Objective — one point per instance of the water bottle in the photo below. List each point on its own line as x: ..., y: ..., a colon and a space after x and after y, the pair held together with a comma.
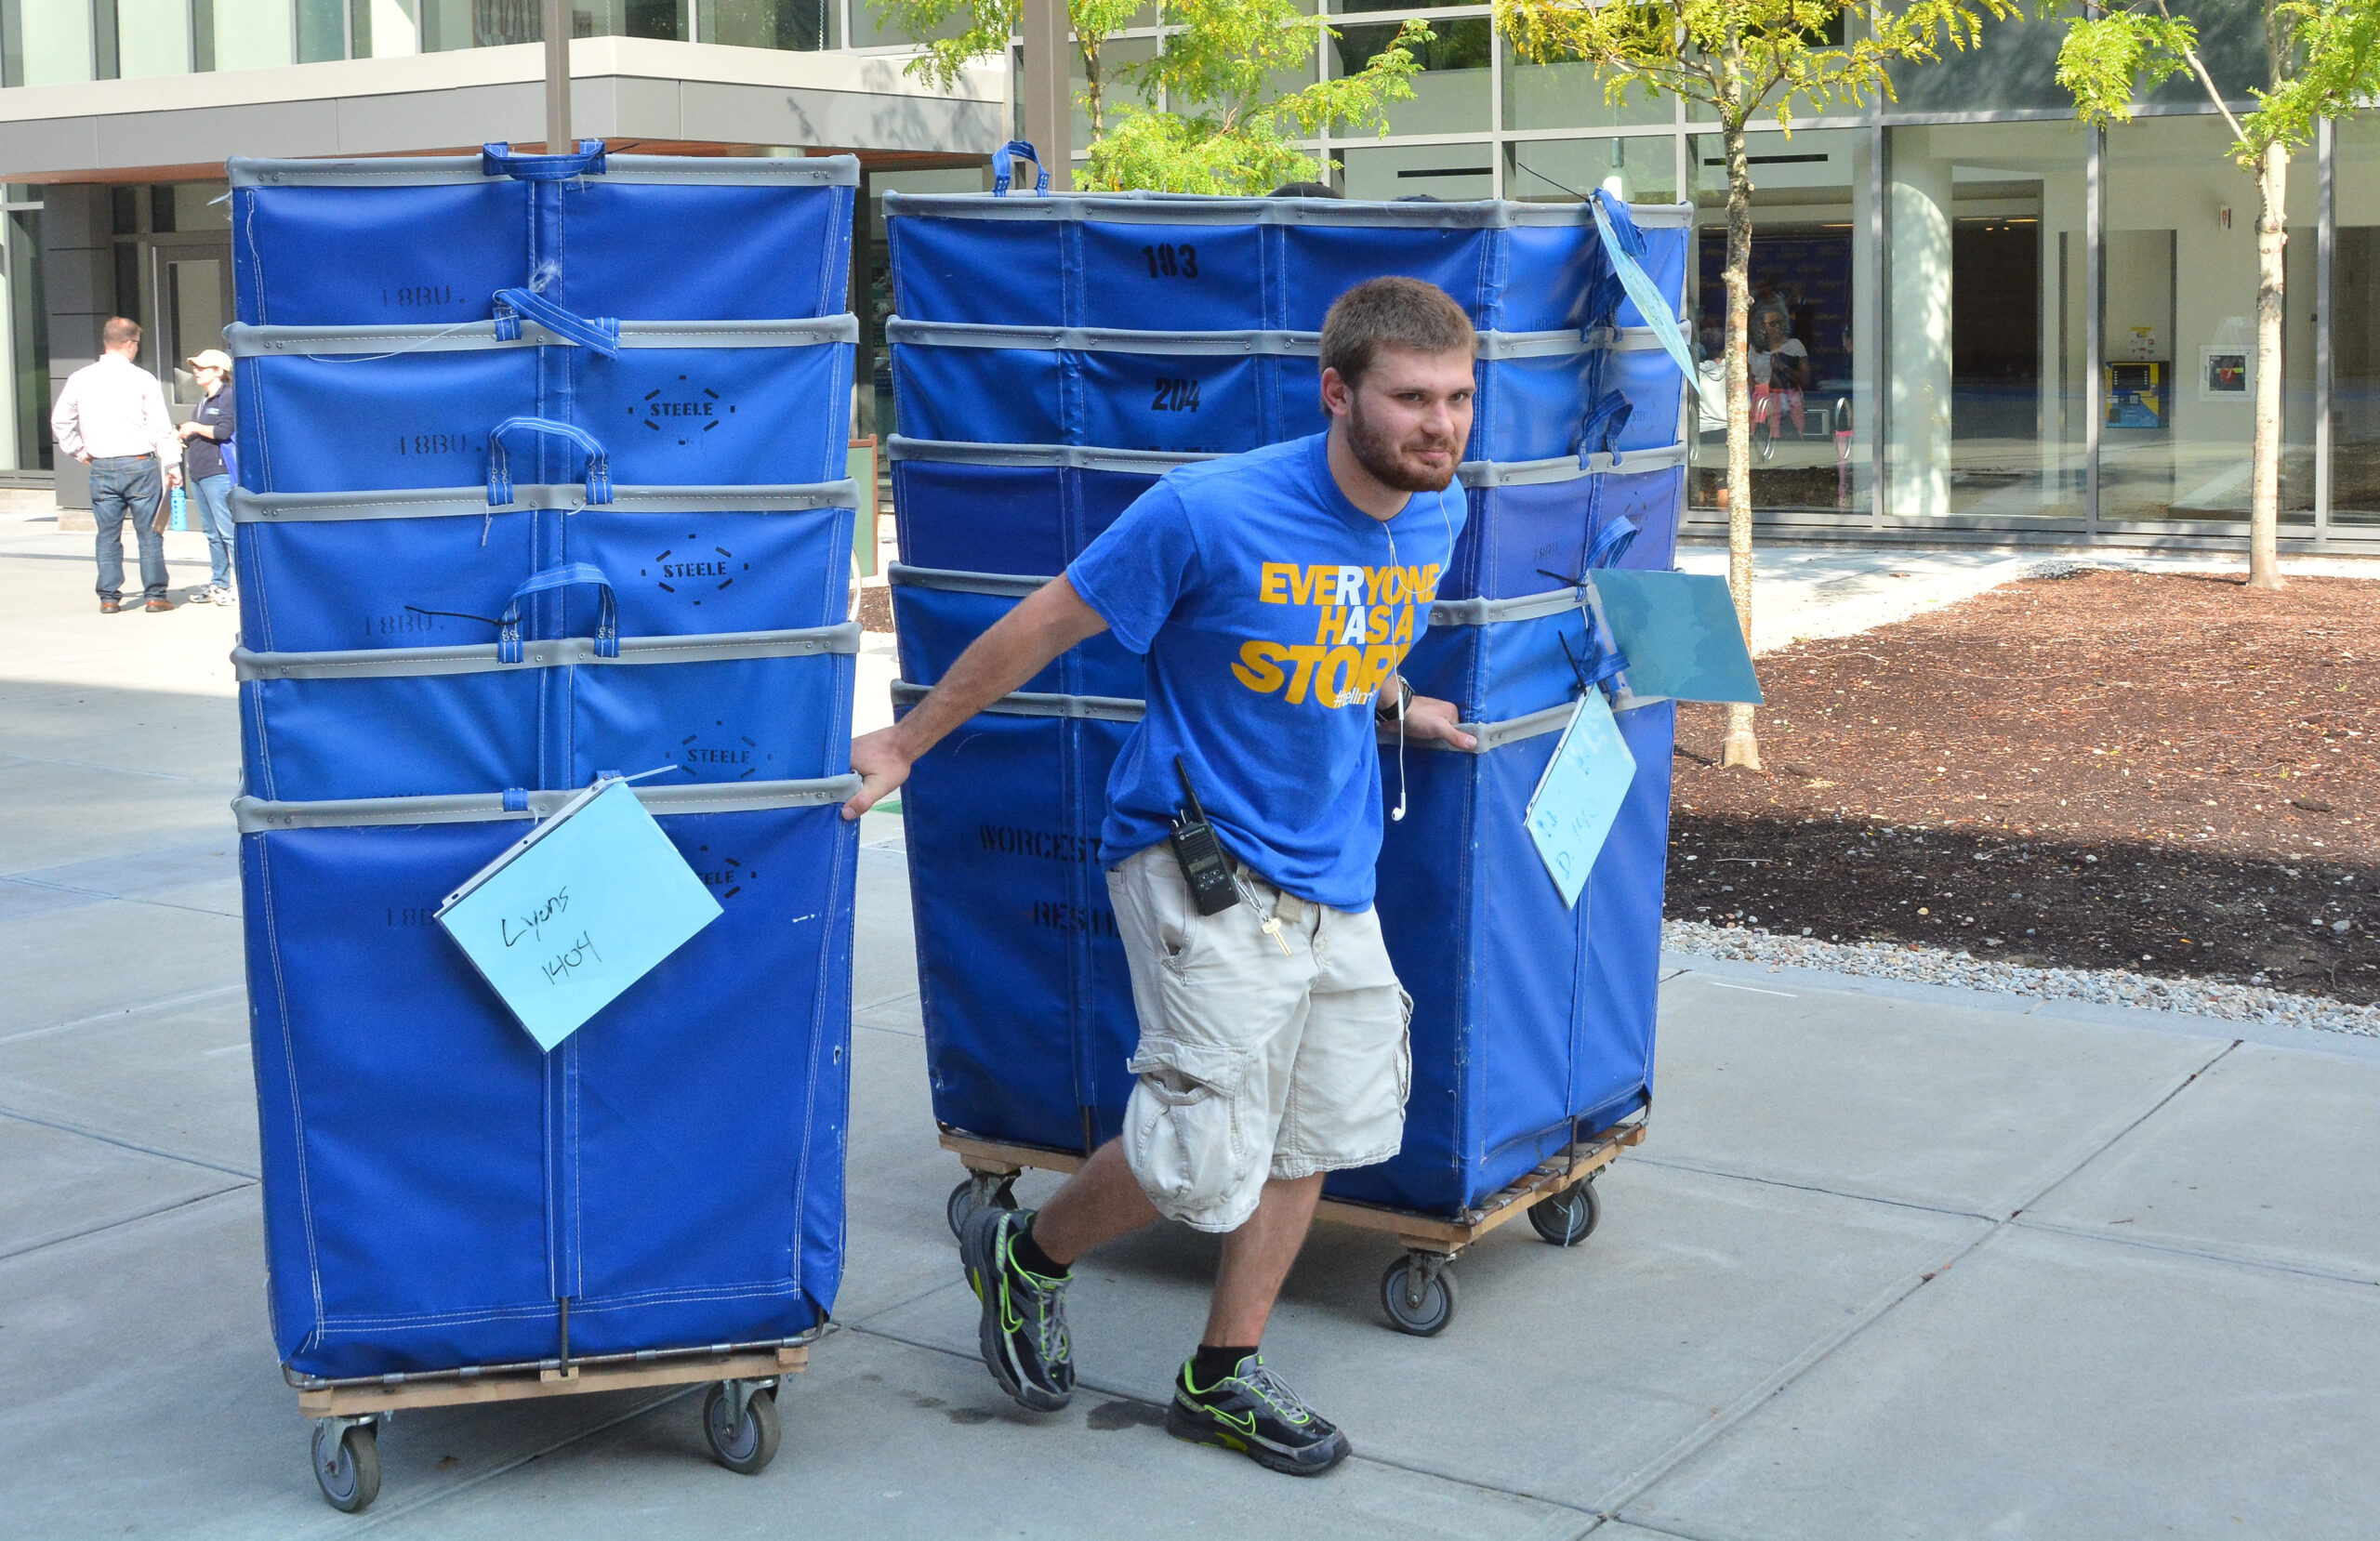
x: 181, y: 511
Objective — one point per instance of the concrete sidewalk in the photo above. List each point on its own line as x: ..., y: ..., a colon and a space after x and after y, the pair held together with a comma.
x: 1893, y: 1263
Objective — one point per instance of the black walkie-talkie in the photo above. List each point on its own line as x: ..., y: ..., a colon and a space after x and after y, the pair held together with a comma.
x: 1204, y: 865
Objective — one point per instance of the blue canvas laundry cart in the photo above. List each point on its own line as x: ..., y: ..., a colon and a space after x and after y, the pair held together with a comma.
x: 522, y: 507
x: 1132, y: 334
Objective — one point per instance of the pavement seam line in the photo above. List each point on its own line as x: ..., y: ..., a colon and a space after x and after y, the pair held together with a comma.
x: 118, y: 1224
x: 2182, y: 1249
x: 193, y: 998
x: 1638, y: 1482
x: 1672, y: 1163
x: 1145, y: 1401
x: 122, y: 1143
x: 116, y: 770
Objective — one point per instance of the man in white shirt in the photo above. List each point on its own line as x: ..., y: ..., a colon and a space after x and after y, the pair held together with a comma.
x: 111, y: 416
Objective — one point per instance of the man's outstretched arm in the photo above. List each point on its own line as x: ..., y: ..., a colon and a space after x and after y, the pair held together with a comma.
x: 1052, y: 619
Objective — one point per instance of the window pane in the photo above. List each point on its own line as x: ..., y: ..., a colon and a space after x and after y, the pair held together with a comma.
x: 49, y: 43
x: 252, y: 35
x: 322, y: 29
x: 1569, y: 96
x: 1114, y: 55
x: 1449, y: 172
x: 663, y: 19
x: 29, y: 315
x: 2180, y: 333
x: 202, y: 206
x: 1988, y: 307
x: 1810, y: 448
x: 2354, y: 323
x: 386, y: 29
x: 806, y: 25
x: 2013, y: 66
x: 152, y: 38
x: 1450, y: 96
x: 1642, y: 169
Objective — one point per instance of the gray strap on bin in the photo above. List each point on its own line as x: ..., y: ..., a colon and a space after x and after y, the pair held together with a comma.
x: 1174, y: 208
x: 555, y: 652
x: 1488, y: 612
x: 1109, y: 339
x: 1096, y: 708
x: 250, y: 342
x: 249, y: 507
x: 461, y: 170
x: 257, y: 815
x: 950, y: 581
x: 1470, y: 473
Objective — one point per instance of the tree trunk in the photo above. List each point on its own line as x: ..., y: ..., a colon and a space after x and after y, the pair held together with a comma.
x: 1742, y: 745
x: 2264, y: 499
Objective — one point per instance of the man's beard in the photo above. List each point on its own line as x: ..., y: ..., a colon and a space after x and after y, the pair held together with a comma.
x: 1376, y: 451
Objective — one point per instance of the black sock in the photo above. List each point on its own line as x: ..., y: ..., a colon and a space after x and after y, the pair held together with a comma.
x: 1029, y: 1255
x: 1212, y: 1364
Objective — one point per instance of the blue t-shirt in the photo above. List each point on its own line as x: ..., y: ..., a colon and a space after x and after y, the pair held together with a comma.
x: 1270, y: 608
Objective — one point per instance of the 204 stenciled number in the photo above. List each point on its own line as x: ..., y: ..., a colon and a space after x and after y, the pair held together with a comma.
x: 1175, y: 396
x: 1167, y: 260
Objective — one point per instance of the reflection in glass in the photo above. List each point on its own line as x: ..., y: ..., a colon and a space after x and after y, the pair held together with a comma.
x: 1569, y: 96
x: 1809, y: 452
x: 29, y: 337
x: 1451, y: 95
x: 2180, y: 329
x: 1987, y: 305
x: 2355, y: 323
x: 1450, y: 172
x: 1641, y: 169
x: 195, y: 318
x: 801, y: 25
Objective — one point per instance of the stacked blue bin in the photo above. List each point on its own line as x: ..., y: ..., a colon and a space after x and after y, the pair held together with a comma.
x: 1127, y: 334
x: 542, y: 478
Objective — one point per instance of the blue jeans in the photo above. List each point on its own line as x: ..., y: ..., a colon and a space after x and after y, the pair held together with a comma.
x: 211, y: 501
x: 125, y: 487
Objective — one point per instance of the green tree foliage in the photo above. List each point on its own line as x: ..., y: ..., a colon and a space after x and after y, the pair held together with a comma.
x: 1207, y: 114
x: 1740, y: 60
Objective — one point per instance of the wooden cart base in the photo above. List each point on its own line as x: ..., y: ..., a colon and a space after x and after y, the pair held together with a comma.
x: 740, y: 1420
x: 1417, y: 1292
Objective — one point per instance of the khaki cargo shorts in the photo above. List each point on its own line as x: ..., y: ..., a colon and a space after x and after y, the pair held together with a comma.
x: 1253, y: 1064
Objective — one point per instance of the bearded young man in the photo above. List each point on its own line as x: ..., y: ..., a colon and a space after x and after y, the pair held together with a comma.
x: 1273, y: 595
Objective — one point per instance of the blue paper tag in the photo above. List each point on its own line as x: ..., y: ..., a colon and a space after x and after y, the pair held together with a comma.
x: 1657, y: 311
x: 1579, y: 794
x: 590, y: 905
x: 1679, y: 633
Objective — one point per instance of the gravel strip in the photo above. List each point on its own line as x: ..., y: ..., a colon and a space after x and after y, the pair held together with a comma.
x: 1920, y: 965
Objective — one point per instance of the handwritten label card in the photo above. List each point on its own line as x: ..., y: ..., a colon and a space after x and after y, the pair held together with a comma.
x: 583, y: 909
x: 1579, y: 794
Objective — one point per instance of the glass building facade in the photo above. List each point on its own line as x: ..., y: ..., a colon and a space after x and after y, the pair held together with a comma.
x: 1979, y: 316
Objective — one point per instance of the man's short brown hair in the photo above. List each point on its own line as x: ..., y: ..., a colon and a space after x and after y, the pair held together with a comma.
x: 1391, y: 313
x: 119, y: 330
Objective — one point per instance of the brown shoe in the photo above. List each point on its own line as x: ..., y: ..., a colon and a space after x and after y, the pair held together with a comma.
x: 109, y: 606
x: 159, y: 607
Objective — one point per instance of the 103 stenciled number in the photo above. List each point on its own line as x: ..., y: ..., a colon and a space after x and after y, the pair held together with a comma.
x: 1167, y: 260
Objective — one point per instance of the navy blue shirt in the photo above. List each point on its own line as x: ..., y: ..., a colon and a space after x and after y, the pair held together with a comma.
x: 1270, y: 610
x: 203, y: 458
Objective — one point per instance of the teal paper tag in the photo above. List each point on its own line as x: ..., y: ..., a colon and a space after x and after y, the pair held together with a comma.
x: 589, y: 903
x: 1679, y: 633
x: 1579, y: 794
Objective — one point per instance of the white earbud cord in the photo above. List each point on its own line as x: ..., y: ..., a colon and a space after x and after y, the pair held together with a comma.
x: 1396, y: 814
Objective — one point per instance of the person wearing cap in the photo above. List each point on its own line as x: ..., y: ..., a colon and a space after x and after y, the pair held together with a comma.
x: 202, y: 440
x: 111, y: 416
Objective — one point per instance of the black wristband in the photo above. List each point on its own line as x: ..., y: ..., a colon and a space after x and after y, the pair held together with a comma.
x: 1389, y: 710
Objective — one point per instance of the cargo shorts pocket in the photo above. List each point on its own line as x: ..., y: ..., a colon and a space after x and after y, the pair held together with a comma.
x: 1188, y: 1125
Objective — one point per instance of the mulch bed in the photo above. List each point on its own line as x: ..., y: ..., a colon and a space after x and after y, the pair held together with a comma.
x: 2172, y: 775
x: 874, y: 611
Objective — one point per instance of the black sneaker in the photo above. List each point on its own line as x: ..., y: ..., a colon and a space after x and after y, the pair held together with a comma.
x: 1250, y: 1410
x: 1023, y: 1327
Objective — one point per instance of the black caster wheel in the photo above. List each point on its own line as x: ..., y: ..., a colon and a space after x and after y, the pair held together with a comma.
x: 1419, y: 1298
x: 347, y: 1464
x: 1569, y: 1217
x: 751, y: 1444
x: 964, y: 1198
